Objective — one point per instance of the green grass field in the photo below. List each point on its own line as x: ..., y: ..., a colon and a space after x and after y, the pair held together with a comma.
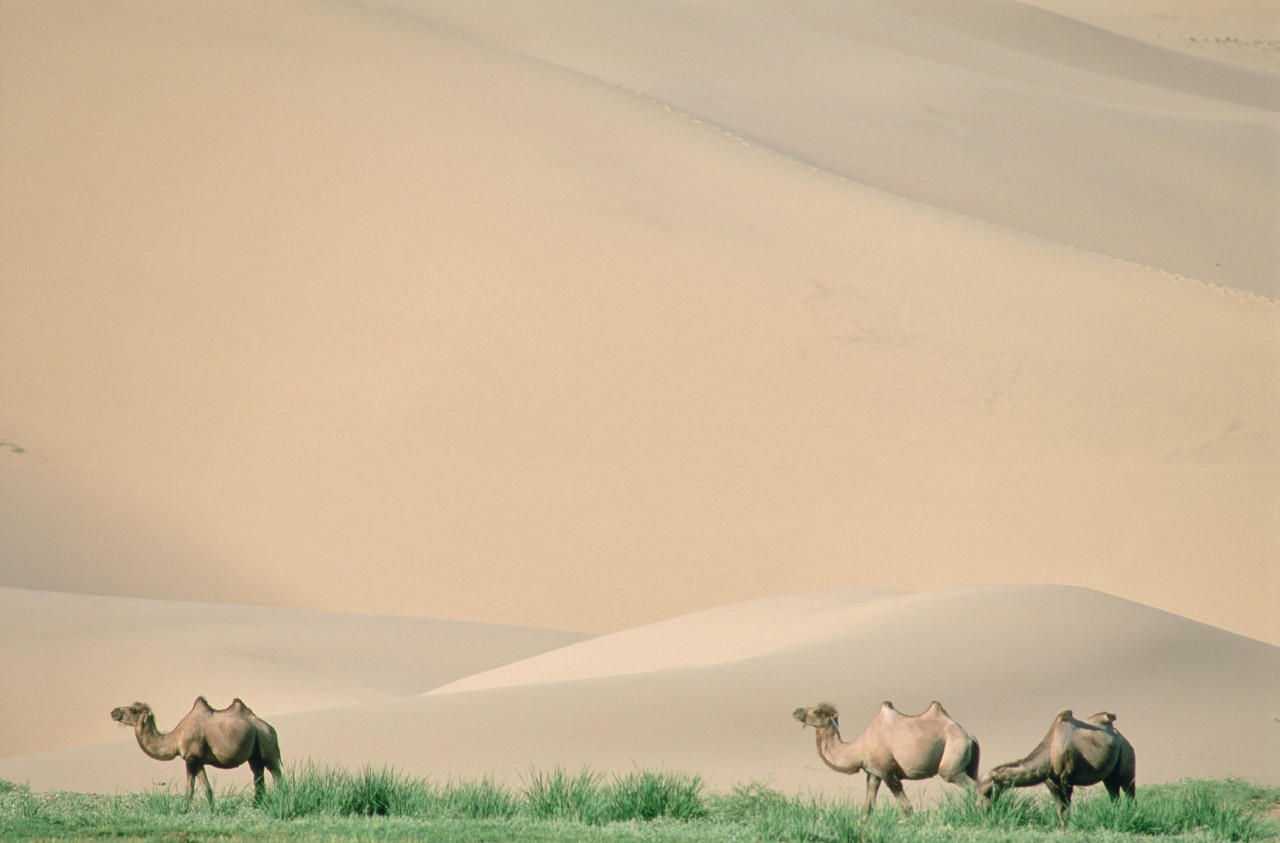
x: 381, y: 804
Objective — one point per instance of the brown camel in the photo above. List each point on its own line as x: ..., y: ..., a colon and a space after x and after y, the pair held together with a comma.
x: 224, y: 739
x: 1075, y: 753
x: 897, y: 746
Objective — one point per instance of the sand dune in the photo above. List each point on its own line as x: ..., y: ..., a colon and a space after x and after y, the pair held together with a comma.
x: 1001, y: 111
x: 750, y: 629
x: 299, y: 291
x: 987, y: 653
x: 1234, y: 31
x: 76, y: 657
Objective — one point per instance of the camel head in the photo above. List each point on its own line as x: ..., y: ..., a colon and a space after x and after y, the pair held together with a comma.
x: 132, y: 715
x: 988, y: 789
x: 821, y: 716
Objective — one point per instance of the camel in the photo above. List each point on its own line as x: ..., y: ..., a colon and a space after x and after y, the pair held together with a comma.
x: 895, y: 747
x: 223, y: 738
x: 1075, y: 753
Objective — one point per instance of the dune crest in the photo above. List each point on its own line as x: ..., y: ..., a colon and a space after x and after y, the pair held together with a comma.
x: 722, y: 634
x: 1009, y: 113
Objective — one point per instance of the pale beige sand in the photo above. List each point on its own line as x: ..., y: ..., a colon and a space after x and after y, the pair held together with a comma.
x: 1244, y: 32
x: 1000, y: 111
x: 73, y: 658
x: 310, y: 305
x: 1195, y: 701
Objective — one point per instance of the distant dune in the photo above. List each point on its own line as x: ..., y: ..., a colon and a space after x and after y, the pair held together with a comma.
x: 1003, y: 660
x: 81, y: 656
x: 1004, y: 112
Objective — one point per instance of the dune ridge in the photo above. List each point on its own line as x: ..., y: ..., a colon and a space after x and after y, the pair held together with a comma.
x: 1003, y: 111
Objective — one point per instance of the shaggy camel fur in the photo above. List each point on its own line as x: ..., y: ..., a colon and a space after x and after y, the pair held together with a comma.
x: 897, y: 746
x: 1075, y: 753
x: 224, y: 739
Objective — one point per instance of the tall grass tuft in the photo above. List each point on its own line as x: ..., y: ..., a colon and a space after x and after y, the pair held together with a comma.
x: 646, y: 796
x: 369, y: 792
x: 746, y: 802
x: 386, y: 793
x: 1011, y: 810
x: 557, y: 795
x: 484, y: 799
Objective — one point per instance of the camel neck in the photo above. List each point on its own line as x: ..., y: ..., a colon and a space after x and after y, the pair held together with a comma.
x: 1031, y: 770
x: 159, y: 745
x: 838, y: 754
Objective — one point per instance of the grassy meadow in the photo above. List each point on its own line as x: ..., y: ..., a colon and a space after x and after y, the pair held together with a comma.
x: 324, y: 803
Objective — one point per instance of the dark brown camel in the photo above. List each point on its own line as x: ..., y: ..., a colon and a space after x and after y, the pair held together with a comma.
x: 1075, y: 753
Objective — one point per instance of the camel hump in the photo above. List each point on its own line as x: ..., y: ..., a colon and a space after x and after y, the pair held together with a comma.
x: 887, y: 713
x: 201, y: 702
x: 1103, y: 718
x: 1065, y: 715
x: 238, y: 704
x: 935, y: 707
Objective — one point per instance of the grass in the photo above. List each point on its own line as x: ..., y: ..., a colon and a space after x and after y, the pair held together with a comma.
x: 327, y: 803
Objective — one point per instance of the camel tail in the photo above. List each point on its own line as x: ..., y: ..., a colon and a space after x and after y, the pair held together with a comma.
x: 974, y: 756
x: 266, y: 746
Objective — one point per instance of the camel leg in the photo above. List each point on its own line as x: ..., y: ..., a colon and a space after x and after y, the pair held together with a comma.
x: 259, y: 784
x: 208, y: 788
x: 195, y: 770
x: 873, y: 787
x: 1116, y: 785
x: 895, y: 787
x: 1061, y: 791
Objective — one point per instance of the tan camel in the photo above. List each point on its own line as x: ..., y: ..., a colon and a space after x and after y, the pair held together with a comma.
x: 897, y: 746
x: 1075, y: 753
x: 224, y: 739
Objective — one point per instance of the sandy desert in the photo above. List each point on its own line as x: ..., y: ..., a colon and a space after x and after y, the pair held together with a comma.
x: 475, y: 387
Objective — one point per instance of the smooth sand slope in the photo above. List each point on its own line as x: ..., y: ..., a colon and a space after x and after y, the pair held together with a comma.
x: 319, y: 306
x: 1243, y: 32
x: 74, y: 657
x: 1001, y: 111
x: 1194, y: 700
